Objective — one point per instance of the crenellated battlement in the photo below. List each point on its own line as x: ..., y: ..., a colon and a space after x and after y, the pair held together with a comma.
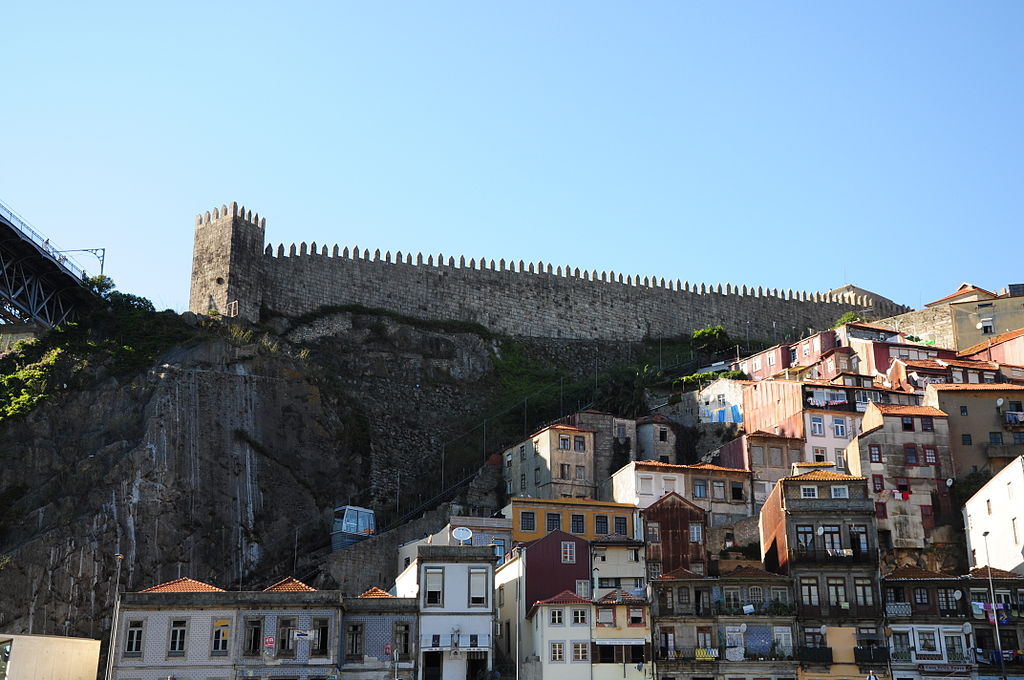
x: 541, y: 268
x: 513, y: 297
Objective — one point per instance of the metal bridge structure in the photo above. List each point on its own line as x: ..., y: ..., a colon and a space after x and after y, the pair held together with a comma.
x: 38, y: 284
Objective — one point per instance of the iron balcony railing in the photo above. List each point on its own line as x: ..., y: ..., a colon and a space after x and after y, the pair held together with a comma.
x: 872, y: 655
x: 814, y: 654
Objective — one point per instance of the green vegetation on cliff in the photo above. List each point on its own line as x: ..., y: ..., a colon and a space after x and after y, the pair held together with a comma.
x: 120, y: 335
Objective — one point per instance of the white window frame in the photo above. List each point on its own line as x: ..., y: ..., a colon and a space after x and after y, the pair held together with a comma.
x: 840, y: 491
x: 808, y: 491
x: 568, y: 552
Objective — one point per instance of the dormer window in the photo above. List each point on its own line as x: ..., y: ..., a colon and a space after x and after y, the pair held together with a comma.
x: 808, y: 492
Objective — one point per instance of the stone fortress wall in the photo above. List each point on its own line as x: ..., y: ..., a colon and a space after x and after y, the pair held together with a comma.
x: 231, y: 264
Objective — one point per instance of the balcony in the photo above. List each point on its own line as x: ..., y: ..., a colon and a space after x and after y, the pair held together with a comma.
x: 871, y: 655
x: 840, y: 556
x: 707, y: 654
x: 898, y: 609
x: 814, y: 654
x: 843, y: 611
x: 902, y: 656
x: 770, y: 608
x: 1013, y: 420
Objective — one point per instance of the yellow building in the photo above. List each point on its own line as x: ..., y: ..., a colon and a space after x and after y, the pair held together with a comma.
x: 621, y: 636
x: 533, y: 518
x: 840, y: 658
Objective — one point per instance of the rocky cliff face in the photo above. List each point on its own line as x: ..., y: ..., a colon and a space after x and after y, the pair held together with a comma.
x: 225, y: 460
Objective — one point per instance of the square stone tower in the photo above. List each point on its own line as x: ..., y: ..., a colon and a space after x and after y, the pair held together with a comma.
x: 227, y: 263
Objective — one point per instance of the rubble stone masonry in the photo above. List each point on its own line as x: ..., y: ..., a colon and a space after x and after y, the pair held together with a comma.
x: 231, y: 264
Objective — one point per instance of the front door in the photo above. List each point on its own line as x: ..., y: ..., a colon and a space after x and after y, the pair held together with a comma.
x: 432, y: 665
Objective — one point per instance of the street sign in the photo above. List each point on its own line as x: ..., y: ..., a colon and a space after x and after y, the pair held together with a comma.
x: 269, y: 641
x: 303, y: 634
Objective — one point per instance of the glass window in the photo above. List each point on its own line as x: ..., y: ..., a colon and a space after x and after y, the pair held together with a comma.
x: 286, y: 636
x: 478, y: 587
x: 434, y: 587
x: 926, y: 641
x: 581, y: 473
x: 581, y: 651
x: 577, y: 524
x: 558, y: 650
x: 564, y: 442
x: 556, y: 617
x: 927, y: 424
x: 606, y: 615
x: 910, y: 454
x: 908, y: 423
x: 354, y: 642
x: 840, y: 491
x: 965, y: 439
x: 836, y: 590
x: 696, y: 533
x: 809, y: 590
x: 653, y: 532
x: 221, y: 637
x: 863, y: 591
x: 620, y: 526
x: 839, y: 427
x: 322, y: 637
x: 568, y: 552
x: 963, y: 410
x: 636, y: 616
x: 579, y: 443
x: 253, y: 637
x: 176, y: 645
x: 877, y: 482
x: 930, y: 457
x: 995, y: 438
x: 808, y: 492
x: 718, y: 489
x: 133, y: 641
x: 817, y: 426
x: 583, y: 588
x: 579, y: 616
x: 528, y: 521
x: 875, y: 452
x: 700, y: 488
x: 920, y: 595
x: 565, y: 471
x: 601, y: 524
x: 401, y: 638
x: 554, y: 521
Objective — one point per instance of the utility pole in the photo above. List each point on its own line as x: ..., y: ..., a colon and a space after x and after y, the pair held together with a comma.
x: 113, y: 622
x: 995, y: 612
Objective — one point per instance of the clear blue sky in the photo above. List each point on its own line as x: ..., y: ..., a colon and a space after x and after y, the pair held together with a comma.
x: 783, y: 144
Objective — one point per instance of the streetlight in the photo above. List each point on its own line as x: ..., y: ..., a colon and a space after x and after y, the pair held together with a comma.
x: 113, y: 622
x: 995, y: 613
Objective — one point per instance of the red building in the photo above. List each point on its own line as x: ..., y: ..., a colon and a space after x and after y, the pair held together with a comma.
x: 681, y: 536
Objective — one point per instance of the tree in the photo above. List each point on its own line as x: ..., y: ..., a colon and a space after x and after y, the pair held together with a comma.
x: 848, y: 317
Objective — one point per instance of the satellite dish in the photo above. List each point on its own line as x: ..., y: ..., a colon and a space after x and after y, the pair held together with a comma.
x: 999, y: 401
x: 957, y: 595
x: 462, y: 534
x: 743, y: 628
x: 949, y: 483
x: 966, y: 628
x: 820, y: 531
x: 978, y: 326
x: 824, y: 629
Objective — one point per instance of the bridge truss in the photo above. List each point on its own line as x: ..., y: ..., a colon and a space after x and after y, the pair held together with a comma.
x: 37, y: 283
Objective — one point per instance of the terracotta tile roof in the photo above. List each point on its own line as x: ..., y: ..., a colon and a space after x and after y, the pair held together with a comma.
x: 680, y: 574
x: 994, y: 340
x: 964, y: 289
x: 816, y: 466
x: 525, y: 501
x: 564, y: 597
x: 616, y: 539
x: 750, y: 572
x: 824, y: 476
x: 288, y: 585
x: 982, y: 572
x: 874, y: 326
x: 559, y: 426
x: 657, y: 418
x: 376, y: 592
x: 621, y: 597
x: 910, y: 572
x: 184, y: 585
x: 902, y: 410
x: 715, y: 468
x: 977, y: 387
x: 945, y: 364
